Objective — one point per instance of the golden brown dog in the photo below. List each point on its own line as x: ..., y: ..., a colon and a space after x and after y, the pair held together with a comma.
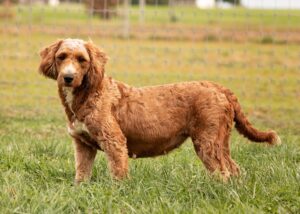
x: 124, y: 121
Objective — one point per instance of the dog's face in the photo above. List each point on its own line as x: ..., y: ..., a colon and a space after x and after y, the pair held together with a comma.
x: 70, y: 61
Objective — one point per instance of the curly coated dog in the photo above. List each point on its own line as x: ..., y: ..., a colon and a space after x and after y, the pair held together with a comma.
x: 124, y: 121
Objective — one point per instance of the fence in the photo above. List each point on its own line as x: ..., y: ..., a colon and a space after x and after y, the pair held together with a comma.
x: 253, y: 52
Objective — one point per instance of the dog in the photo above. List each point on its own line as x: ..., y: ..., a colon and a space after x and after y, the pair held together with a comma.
x: 124, y: 121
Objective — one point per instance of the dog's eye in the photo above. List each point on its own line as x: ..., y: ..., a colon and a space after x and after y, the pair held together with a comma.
x: 62, y: 57
x: 81, y: 59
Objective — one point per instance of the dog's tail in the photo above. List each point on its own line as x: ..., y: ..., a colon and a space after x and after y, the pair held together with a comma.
x: 244, y: 127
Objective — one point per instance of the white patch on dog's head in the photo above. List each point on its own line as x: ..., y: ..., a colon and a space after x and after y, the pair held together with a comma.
x: 74, y: 43
x: 69, y: 69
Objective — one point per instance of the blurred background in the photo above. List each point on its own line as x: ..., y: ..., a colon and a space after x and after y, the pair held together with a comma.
x: 250, y: 46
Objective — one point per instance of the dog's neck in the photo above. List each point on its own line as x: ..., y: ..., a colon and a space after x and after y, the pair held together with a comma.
x: 74, y: 100
x: 68, y: 97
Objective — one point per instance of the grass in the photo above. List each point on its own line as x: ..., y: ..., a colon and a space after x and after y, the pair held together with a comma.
x: 180, y: 23
x: 36, y: 154
x: 37, y: 174
x: 76, y: 13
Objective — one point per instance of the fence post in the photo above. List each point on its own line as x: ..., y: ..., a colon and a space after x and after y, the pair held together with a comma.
x: 171, y: 11
x: 126, y: 19
x: 142, y: 11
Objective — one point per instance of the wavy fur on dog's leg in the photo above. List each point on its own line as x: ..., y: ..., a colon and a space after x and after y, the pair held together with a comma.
x: 211, y: 136
x: 84, y: 159
x: 112, y: 141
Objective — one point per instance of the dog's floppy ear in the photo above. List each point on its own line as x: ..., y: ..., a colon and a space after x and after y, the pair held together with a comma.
x: 47, y: 65
x: 98, y: 60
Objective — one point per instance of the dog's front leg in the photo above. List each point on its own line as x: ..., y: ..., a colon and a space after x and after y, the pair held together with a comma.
x: 112, y: 141
x: 117, y: 155
x: 84, y: 159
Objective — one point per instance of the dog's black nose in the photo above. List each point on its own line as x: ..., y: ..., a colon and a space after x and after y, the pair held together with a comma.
x: 68, y: 78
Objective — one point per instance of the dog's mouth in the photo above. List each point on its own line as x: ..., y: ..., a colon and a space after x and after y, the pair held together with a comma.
x: 68, y: 84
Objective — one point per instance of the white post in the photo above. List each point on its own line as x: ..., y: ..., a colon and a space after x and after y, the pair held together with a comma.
x: 126, y: 19
x: 142, y: 11
x: 171, y: 10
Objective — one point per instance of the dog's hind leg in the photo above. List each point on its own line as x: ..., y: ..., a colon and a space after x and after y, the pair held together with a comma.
x: 230, y: 163
x: 211, y: 133
x: 210, y: 151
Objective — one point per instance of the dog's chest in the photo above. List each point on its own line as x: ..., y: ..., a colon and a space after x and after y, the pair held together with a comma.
x: 77, y: 127
x: 68, y: 92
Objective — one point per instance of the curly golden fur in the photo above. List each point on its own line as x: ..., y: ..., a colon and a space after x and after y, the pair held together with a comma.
x: 124, y: 121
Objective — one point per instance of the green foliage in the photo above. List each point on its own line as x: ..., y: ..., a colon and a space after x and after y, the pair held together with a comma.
x: 9, y: 1
x: 267, y: 40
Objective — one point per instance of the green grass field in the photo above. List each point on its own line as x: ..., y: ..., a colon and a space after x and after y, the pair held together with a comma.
x: 76, y: 13
x: 36, y: 153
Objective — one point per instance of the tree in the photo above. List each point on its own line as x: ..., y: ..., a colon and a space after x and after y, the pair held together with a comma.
x: 235, y: 2
x: 6, y: 12
x: 103, y: 8
x: 152, y: 2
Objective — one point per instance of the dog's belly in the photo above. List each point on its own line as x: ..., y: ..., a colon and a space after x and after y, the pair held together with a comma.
x: 138, y: 148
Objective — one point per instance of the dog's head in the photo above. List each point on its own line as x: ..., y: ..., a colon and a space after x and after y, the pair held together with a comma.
x: 73, y: 62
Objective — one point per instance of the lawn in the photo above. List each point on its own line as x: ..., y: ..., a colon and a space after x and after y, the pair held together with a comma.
x: 36, y: 154
x: 178, y: 23
x: 77, y: 13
